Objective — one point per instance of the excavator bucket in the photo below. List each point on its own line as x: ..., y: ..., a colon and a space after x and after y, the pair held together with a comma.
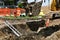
x: 36, y: 8
x: 33, y: 7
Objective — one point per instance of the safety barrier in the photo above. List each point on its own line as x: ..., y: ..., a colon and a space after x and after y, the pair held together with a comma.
x: 8, y: 11
x: 4, y: 11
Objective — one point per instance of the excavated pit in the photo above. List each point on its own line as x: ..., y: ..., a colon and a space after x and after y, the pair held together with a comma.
x: 36, y: 24
x: 7, y: 34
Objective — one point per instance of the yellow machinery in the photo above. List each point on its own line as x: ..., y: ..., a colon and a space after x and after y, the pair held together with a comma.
x: 55, y: 5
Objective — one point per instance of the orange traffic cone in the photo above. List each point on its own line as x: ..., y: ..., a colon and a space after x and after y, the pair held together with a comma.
x: 47, y: 23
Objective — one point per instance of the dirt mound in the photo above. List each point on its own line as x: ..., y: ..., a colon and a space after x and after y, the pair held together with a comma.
x: 54, y: 36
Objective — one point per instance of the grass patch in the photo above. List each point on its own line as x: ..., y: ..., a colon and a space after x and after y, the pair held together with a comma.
x: 26, y: 17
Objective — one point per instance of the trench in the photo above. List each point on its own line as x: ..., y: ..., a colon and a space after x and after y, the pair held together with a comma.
x: 49, y: 30
x: 7, y: 34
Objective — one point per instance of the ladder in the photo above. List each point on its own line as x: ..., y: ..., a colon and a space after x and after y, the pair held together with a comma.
x: 15, y: 31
